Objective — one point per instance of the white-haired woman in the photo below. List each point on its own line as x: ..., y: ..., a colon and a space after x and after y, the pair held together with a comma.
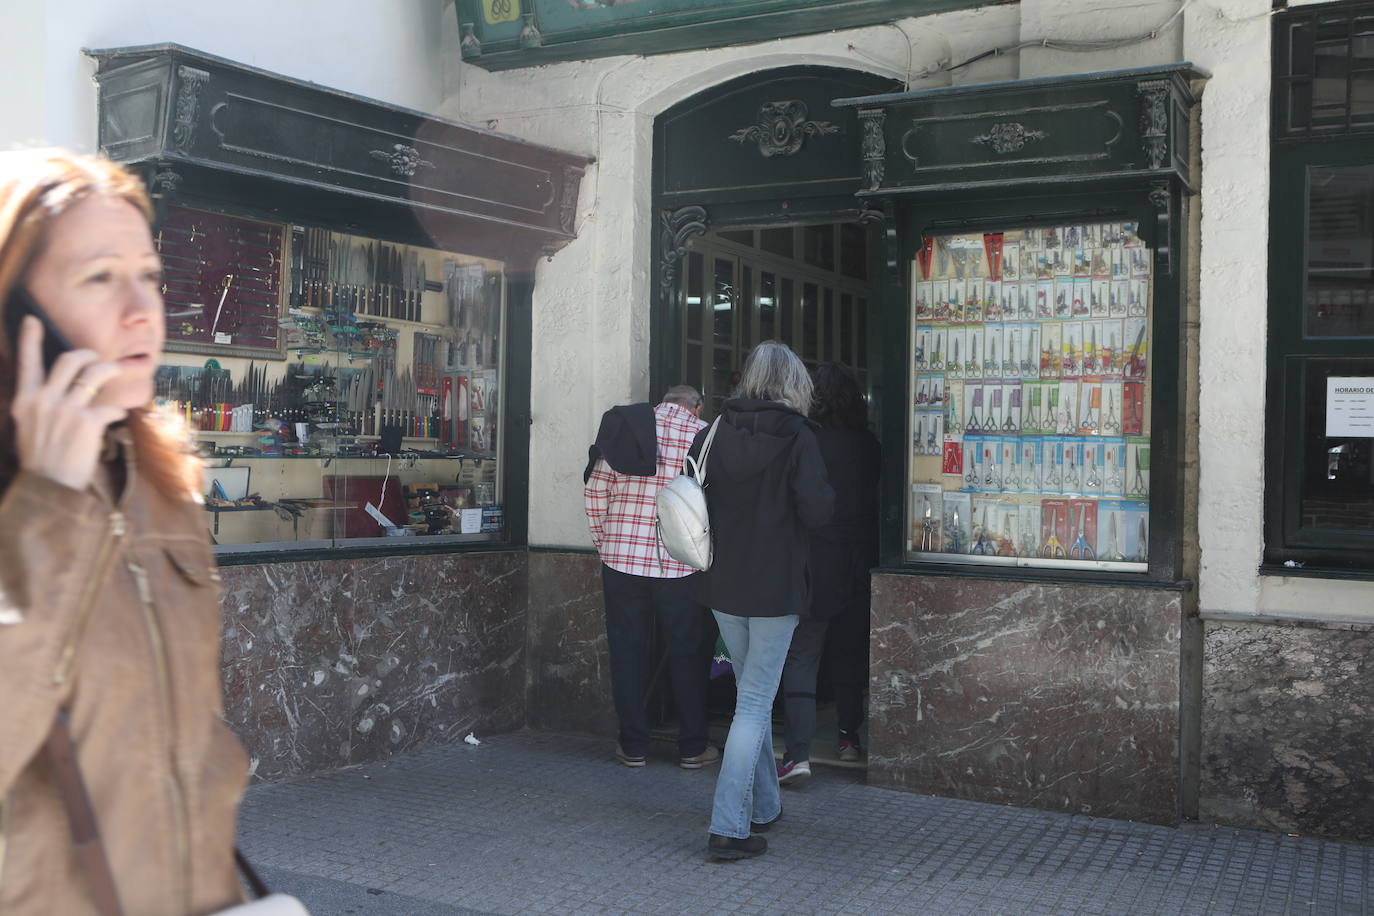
x: 766, y: 490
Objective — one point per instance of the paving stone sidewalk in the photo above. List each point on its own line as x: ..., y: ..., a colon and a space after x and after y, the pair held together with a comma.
x: 540, y: 823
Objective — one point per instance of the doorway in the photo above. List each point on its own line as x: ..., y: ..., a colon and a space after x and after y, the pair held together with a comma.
x: 761, y: 235
x: 805, y: 285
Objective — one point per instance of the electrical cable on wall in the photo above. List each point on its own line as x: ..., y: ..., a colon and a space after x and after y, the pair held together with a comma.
x: 1055, y: 44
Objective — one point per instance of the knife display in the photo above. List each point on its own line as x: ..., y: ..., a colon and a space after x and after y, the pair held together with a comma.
x: 221, y: 284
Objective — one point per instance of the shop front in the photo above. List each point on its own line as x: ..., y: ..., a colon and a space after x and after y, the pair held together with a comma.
x: 348, y: 308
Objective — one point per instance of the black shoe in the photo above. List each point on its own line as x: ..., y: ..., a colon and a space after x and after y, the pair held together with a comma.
x: 756, y: 827
x: 724, y: 848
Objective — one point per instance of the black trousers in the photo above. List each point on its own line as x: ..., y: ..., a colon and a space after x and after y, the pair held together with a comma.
x: 632, y: 603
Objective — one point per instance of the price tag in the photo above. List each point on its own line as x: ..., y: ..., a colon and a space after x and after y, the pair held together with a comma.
x: 377, y: 514
x: 223, y: 338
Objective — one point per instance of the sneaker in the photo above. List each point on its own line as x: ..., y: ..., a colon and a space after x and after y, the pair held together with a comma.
x: 725, y: 848
x: 790, y: 771
x: 629, y: 760
x: 849, y: 749
x: 704, y: 759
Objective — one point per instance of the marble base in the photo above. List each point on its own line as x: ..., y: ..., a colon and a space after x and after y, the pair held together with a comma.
x: 1063, y: 697
x: 339, y: 662
x: 570, y: 681
x: 1287, y: 716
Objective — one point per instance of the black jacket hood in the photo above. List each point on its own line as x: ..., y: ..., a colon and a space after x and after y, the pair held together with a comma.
x: 628, y: 440
x: 752, y: 435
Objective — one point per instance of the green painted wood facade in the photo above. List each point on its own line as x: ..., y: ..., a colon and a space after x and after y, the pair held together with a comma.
x: 502, y: 34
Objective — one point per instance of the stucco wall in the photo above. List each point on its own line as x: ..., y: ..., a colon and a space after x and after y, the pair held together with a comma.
x: 388, y: 51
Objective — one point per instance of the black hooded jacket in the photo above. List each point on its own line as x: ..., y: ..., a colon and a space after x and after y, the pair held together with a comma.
x: 766, y: 489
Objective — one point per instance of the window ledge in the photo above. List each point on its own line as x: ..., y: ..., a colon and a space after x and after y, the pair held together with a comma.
x: 1316, y: 572
x: 1284, y: 620
x: 313, y: 555
x: 1043, y: 576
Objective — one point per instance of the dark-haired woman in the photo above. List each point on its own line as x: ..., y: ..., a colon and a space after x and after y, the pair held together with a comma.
x: 109, y: 607
x: 842, y: 554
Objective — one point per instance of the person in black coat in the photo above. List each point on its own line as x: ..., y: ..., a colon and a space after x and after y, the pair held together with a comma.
x: 766, y: 491
x: 842, y: 554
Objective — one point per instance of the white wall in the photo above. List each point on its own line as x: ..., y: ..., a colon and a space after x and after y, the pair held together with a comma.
x: 386, y: 49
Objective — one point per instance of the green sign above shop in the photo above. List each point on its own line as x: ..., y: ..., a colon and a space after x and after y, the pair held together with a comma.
x: 501, y: 34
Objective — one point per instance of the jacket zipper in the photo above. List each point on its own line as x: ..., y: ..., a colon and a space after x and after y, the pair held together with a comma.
x: 67, y: 658
x: 145, y: 597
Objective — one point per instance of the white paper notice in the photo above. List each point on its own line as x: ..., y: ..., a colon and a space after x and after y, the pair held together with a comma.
x: 471, y: 522
x: 1350, y: 407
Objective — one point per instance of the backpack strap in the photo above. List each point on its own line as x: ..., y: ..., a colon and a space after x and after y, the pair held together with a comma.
x: 696, y: 467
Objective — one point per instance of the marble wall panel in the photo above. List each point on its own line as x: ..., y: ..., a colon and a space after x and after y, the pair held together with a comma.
x: 338, y: 662
x: 1288, y: 712
x: 1042, y: 695
x: 570, y: 683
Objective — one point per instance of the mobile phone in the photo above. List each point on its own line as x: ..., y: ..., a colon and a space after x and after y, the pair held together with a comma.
x: 21, y: 303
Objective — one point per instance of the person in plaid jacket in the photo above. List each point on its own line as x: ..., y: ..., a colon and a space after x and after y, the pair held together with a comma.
x: 629, y: 464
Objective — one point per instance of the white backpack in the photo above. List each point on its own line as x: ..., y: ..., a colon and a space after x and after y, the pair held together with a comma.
x: 684, y: 527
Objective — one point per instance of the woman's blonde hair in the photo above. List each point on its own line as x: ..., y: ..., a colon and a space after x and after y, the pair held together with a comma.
x: 772, y: 372
x: 37, y: 186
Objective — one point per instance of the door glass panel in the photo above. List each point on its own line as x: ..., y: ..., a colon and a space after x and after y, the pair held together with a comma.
x: 785, y: 309
x: 692, y: 368
x: 828, y: 323
x: 722, y: 367
x: 746, y: 306
x: 809, y: 307
x: 694, y: 295
x: 777, y: 241
x: 739, y: 236
x: 723, y: 301
x: 846, y: 328
x: 768, y: 305
x: 818, y: 246
x: 1339, y: 299
x: 854, y: 251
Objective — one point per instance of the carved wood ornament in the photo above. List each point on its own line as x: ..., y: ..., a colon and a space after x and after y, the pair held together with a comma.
x: 782, y: 128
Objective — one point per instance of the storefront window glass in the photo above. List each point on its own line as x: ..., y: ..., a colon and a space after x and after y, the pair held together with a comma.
x: 1030, y: 416
x: 341, y: 389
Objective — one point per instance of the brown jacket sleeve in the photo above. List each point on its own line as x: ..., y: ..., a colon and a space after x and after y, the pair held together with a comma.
x: 51, y: 538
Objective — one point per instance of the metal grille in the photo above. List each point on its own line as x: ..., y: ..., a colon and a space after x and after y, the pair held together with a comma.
x: 1324, y: 71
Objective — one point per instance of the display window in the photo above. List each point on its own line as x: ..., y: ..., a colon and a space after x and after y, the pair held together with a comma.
x: 341, y: 389
x: 1030, y: 412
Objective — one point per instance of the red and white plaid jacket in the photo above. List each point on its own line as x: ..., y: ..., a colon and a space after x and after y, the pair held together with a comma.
x: 620, y: 508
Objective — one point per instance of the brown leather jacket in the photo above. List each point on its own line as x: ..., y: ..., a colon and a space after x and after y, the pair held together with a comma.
x: 113, y: 611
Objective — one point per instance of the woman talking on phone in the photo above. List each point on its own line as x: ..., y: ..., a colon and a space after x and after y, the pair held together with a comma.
x: 109, y: 610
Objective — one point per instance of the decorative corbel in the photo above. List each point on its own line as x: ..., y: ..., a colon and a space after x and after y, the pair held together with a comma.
x: 871, y: 215
x: 1163, y: 200
x: 874, y: 147
x: 1154, y: 121
x: 679, y: 227
x: 530, y: 36
x: 567, y: 199
x: 190, y: 81
x: 470, y: 47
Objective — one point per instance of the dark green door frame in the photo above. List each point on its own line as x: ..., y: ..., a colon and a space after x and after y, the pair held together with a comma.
x: 744, y: 154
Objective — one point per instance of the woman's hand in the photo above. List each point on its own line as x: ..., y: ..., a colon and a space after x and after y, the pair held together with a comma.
x: 59, y: 432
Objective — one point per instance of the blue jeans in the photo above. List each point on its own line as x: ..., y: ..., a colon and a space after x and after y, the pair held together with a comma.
x: 747, y: 789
